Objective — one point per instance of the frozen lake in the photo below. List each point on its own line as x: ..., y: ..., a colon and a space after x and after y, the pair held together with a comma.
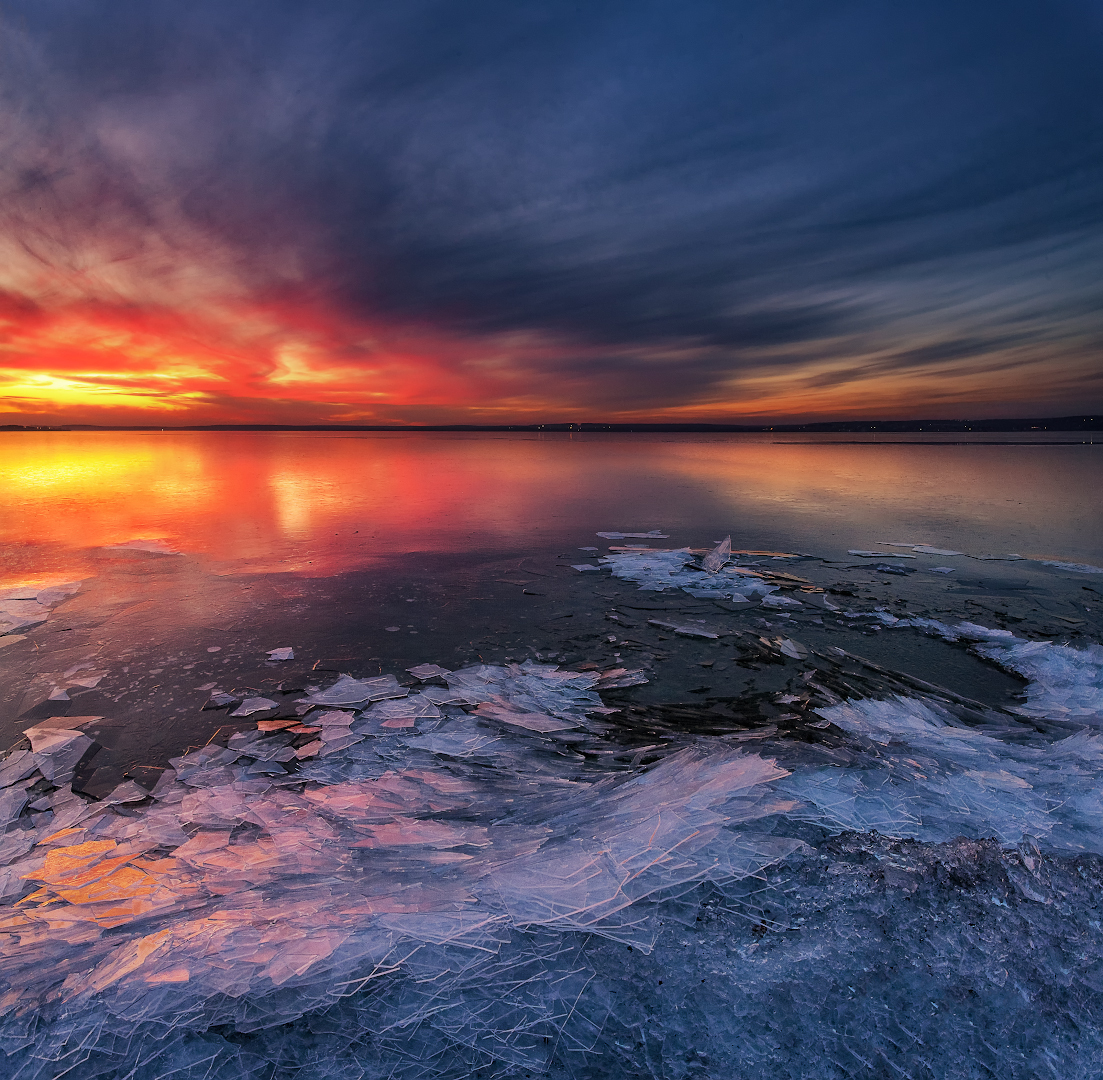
x: 364, y: 755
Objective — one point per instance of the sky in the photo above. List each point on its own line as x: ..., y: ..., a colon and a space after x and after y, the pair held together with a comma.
x: 327, y: 212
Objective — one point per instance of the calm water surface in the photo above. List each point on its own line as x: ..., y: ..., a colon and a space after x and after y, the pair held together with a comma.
x: 321, y: 503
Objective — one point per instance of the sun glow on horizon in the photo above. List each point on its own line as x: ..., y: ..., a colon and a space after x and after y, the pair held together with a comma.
x: 296, y: 362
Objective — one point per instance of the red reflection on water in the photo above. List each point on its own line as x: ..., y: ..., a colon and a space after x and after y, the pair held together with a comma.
x: 320, y: 503
x: 271, y: 501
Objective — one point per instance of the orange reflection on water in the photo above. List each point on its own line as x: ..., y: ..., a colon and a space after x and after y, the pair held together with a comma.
x: 321, y: 503
x: 273, y: 501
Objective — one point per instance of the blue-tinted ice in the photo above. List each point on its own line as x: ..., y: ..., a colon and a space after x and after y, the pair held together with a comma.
x: 439, y: 886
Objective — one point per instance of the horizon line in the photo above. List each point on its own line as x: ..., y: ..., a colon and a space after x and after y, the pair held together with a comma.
x: 1022, y: 424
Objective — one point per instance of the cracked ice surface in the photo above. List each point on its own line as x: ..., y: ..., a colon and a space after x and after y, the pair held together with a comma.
x: 450, y: 860
x: 456, y: 893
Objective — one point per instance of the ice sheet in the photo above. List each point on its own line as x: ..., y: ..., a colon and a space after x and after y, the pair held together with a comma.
x: 916, y: 771
x: 229, y: 900
x: 659, y: 569
x: 23, y: 607
x: 447, y: 899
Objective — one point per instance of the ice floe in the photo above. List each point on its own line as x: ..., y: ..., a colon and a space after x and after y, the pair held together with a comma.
x: 659, y: 569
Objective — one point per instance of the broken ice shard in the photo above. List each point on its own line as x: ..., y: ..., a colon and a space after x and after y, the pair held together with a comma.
x: 658, y: 570
x: 57, y: 750
x: 281, y: 654
x: 533, y: 721
x: 773, y: 601
x: 718, y: 557
x: 414, y: 707
x: 793, y: 648
x: 684, y: 630
x: 254, y: 705
x: 427, y: 671
x: 349, y: 691
x: 219, y: 700
x: 332, y: 718
x: 618, y: 678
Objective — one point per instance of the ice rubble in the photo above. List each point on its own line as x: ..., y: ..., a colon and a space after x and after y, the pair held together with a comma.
x: 252, y: 889
x: 662, y: 568
x: 913, y: 770
x: 426, y: 870
x: 923, y: 774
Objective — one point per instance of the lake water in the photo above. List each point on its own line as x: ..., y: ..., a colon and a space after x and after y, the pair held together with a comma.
x: 835, y: 810
x: 322, y: 503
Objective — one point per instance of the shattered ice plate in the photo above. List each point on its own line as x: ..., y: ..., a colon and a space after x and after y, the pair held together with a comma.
x: 332, y: 718
x: 428, y: 671
x: 254, y: 705
x: 414, y: 707
x: 654, y: 535
x: 281, y: 654
x: 773, y: 601
x: 684, y: 630
x: 617, y: 678
x: 219, y: 700
x: 793, y: 648
x: 349, y: 691
x: 532, y: 721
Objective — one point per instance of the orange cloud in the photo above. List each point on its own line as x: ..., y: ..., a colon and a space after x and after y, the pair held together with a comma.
x: 94, y: 362
x: 294, y: 360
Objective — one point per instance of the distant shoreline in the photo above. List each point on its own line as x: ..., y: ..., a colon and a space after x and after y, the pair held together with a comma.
x: 884, y: 427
